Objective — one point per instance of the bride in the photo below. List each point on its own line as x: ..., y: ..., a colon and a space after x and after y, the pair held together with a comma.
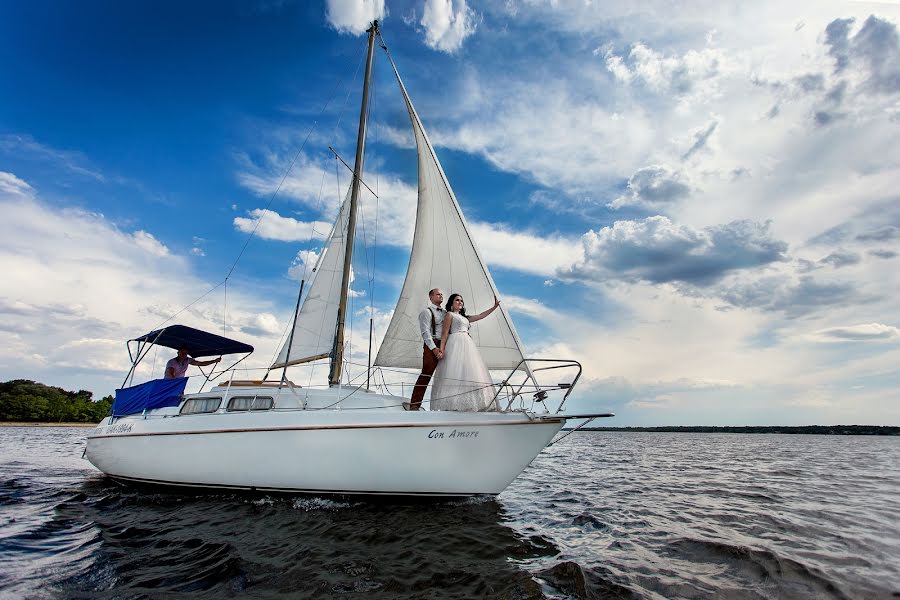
x: 461, y: 380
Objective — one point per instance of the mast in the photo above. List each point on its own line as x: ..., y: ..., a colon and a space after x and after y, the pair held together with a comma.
x: 337, y: 354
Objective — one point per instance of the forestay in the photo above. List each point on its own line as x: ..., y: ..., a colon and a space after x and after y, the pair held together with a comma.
x: 444, y: 255
x: 315, y: 324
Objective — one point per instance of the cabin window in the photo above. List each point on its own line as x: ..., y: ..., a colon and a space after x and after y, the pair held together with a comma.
x: 239, y: 403
x: 262, y: 403
x: 196, y: 406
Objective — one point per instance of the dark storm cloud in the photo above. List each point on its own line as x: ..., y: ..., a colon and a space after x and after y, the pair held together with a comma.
x: 883, y: 253
x: 875, y: 48
x: 881, y: 234
x: 832, y: 236
x: 700, y: 139
x: 841, y: 258
x: 794, y: 298
x: 837, y: 35
x: 652, y: 187
x: 657, y: 251
x: 824, y: 117
x: 812, y: 82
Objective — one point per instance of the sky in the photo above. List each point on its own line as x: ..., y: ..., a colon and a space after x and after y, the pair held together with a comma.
x: 698, y: 201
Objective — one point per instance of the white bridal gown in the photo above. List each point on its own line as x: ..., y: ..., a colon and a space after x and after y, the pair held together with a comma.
x: 461, y: 380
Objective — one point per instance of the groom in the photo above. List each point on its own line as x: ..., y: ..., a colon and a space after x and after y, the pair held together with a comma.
x: 431, y: 320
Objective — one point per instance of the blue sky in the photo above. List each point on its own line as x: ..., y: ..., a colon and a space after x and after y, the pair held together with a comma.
x: 698, y: 202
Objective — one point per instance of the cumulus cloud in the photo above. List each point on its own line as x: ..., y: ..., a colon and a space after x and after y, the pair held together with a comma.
x: 656, y: 250
x: 653, y: 187
x: 104, y: 285
x: 302, y: 266
x: 269, y: 225
x: 353, y: 16
x: 662, y: 74
x: 447, y: 24
x: 263, y: 324
x: 865, y: 332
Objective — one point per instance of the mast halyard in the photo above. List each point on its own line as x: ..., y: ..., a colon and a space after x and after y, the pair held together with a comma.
x: 337, y: 354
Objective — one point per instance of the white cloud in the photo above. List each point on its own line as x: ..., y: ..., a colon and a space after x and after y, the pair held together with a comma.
x: 150, y: 244
x: 269, y: 225
x: 393, y: 211
x: 263, y: 324
x: 694, y: 72
x: 522, y: 251
x: 447, y: 24
x: 353, y: 16
x: 115, y: 285
x: 303, y: 265
x: 12, y: 185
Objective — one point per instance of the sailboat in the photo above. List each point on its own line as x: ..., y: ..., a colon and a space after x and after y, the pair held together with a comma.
x: 346, y: 438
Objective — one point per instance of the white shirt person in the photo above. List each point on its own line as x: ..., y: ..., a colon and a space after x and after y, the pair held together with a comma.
x: 431, y: 321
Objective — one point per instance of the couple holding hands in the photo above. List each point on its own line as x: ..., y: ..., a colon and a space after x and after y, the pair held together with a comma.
x: 461, y: 379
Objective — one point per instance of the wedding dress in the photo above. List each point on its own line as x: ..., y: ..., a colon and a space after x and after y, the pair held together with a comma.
x: 461, y: 381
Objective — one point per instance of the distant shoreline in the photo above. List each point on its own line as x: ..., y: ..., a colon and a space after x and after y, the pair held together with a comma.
x: 801, y: 429
x: 43, y: 424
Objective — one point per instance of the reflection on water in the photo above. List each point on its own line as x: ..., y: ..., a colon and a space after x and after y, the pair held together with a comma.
x: 598, y: 515
x: 278, y: 545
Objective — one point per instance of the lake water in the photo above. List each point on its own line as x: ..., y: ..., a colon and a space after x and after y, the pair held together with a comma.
x: 597, y: 515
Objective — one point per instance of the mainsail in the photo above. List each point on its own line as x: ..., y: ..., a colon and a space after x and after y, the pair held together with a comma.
x: 444, y: 256
x: 315, y: 324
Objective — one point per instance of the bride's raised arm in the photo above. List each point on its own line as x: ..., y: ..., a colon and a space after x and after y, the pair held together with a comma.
x: 482, y: 315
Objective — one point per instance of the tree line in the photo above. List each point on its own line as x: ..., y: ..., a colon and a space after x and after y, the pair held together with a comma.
x: 23, y: 400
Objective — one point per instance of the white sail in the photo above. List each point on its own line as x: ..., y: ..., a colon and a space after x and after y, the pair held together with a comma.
x: 444, y: 256
x: 315, y: 324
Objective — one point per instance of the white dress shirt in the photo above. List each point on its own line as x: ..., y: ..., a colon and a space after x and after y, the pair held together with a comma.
x: 425, y: 324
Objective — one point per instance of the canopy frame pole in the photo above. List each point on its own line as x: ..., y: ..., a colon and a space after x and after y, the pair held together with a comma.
x: 337, y: 354
x: 140, y: 356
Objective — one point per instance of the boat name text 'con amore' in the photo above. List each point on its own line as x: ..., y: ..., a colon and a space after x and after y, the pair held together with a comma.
x: 434, y: 434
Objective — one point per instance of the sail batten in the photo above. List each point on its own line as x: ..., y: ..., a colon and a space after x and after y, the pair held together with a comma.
x: 443, y: 255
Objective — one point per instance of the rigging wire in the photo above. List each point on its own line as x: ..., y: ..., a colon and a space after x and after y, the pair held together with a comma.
x: 274, y: 194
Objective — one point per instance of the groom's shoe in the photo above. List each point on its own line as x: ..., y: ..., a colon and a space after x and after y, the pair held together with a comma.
x: 408, y: 406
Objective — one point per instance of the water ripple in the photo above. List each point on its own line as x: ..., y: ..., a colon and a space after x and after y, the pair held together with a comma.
x: 600, y: 515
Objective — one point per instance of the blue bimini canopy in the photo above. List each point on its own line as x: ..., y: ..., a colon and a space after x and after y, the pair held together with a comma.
x: 153, y: 394
x: 199, y: 343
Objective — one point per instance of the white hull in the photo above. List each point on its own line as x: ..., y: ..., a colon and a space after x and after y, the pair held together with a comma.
x: 352, y: 450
